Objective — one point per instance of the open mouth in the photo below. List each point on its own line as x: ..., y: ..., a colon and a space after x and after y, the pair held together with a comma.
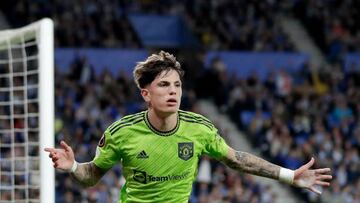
x: 172, y: 101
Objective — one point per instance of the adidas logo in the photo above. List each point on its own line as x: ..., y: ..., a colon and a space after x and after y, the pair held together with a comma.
x: 142, y: 155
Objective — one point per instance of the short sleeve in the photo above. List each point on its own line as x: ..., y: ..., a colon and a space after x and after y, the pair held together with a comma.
x: 215, y: 145
x: 106, y: 152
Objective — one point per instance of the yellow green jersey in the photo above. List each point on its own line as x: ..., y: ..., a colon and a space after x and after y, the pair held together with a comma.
x: 158, y: 166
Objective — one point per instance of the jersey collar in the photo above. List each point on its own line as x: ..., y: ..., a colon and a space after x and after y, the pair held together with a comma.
x: 158, y: 132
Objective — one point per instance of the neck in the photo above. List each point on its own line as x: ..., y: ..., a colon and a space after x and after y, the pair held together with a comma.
x: 162, y: 122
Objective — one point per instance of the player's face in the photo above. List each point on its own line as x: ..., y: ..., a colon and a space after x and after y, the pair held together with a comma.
x: 164, y: 92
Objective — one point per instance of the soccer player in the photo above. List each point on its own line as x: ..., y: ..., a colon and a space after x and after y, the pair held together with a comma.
x: 159, y: 148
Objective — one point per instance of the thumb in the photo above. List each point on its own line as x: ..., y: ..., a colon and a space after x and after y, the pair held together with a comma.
x: 305, y: 167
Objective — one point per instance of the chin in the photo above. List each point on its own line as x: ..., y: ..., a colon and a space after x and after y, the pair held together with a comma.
x: 170, y: 110
x: 173, y: 110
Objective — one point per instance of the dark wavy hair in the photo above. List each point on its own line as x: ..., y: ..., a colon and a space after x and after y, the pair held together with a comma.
x: 146, y: 71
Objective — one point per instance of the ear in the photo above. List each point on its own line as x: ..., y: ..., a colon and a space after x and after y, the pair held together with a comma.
x: 145, y: 94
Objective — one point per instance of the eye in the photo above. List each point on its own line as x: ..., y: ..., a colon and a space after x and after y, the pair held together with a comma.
x: 163, y: 84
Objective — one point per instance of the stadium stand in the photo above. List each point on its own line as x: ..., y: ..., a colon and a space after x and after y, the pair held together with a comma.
x: 288, y: 116
x: 291, y: 122
x: 334, y: 25
x: 234, y: 25
x: 98, y: 24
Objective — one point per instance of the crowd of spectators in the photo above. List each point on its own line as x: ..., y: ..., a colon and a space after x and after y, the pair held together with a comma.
x: 225, y: 25
x: 238, y: 25
x: 334, y: 25
x: 77, y: 23
x: 288, y: 117
x: 291, y: 118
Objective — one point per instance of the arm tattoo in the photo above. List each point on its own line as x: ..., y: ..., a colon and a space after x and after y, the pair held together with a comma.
x: 252, y: 164
x: 87, y: 174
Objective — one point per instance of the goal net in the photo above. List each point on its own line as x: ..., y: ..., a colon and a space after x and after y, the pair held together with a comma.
x: 27, y: 113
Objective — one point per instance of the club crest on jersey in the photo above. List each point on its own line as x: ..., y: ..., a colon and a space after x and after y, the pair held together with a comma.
x: 185, y: 150
x: 102, y: 141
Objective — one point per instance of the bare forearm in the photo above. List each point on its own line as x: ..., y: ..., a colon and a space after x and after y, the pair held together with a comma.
x: 252, y: 164
x: 87, y: 174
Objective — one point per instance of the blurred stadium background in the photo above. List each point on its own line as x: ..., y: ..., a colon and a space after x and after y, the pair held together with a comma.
x: 285, y: 73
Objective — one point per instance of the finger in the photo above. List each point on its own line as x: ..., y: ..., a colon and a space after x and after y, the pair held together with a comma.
x: 65, y: 146
x: 49, y: 150
x: 313, y: 189
x: 324, y: 177
x: 304, y: 167
x: 310, y: 163
x: 54, y: 159
x: 322, y: 183
x: 322, y: 170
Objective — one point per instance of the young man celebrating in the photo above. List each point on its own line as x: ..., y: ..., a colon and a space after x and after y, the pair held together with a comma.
x: 160, y: 148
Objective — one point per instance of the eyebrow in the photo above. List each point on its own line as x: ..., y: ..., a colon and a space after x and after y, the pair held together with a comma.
x: 165, y: 81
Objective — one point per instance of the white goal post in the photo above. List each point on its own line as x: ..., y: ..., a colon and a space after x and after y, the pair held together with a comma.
x: 27, y: 113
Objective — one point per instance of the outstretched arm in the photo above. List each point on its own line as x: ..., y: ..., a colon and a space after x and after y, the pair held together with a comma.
x: 87, y: 174
x: 302, y: 177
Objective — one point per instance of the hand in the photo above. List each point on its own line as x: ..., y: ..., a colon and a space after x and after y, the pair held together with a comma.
x: 308, y: 179
x: 62, y: 158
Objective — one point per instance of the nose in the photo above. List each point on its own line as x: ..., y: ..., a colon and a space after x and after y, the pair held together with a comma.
x: 172, y: 90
